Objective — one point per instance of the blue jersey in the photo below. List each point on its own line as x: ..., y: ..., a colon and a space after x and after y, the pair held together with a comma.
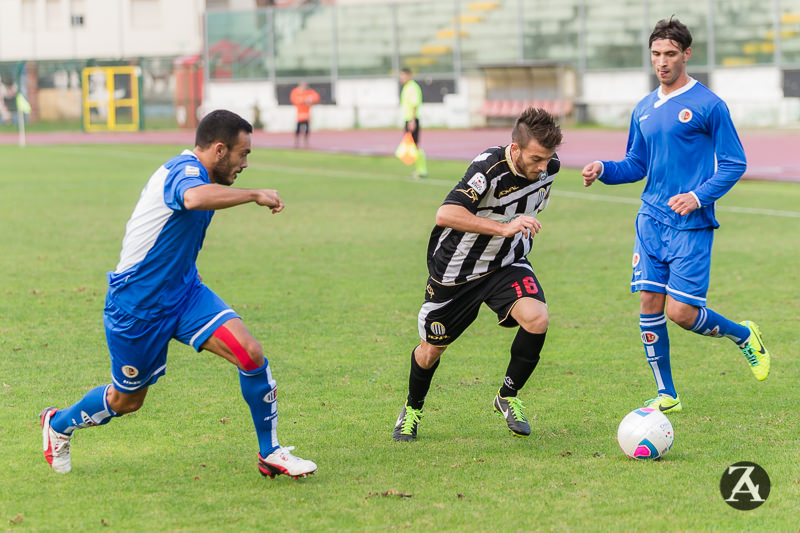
x: 156, y: 270
x: 682, y: 142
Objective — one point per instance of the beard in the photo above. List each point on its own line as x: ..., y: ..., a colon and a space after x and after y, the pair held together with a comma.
x: 223, y: 172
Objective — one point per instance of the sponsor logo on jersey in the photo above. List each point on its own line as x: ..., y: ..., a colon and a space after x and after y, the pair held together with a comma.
x: 649, y: 337
x: 685, y: 115
x: 636, y: 259
x: 644, y: 117
x: 130, y: 371
x: 478, y: 182
x: 470, y: 193
x: 438, y: 328
x: 507, y: 191
x: 192, y: 172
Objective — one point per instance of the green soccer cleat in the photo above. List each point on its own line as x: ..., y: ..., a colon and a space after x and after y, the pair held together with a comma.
x: 405, y: 429
x: 665, y: 403
x: 511, y: 409
x: 754, y: 351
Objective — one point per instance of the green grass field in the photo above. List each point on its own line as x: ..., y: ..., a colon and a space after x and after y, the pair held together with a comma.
x: 332, y: 287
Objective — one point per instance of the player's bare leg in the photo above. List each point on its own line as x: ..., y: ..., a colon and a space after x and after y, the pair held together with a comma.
x: 233, y: 342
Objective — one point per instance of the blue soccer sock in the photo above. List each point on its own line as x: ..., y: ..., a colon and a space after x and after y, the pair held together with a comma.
x: 656, y: 347
x: 712, y: 324
x: 91, y: 410
x: 259, y: 391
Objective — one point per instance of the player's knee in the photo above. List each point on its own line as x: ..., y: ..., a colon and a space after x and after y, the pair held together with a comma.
x: 247, y: 351
x: 427, y: 354
x: 254, y: 352
x: 124, y: 403
x: 683, y: 315
x: 535, y: 322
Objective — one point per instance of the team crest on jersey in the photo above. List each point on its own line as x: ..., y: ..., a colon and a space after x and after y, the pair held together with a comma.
x: 478, y: 182
x: 648, y: 337
x: 192, y: 172
x: 130, y: 371
x: 685, y: 115
x: 636, y: 259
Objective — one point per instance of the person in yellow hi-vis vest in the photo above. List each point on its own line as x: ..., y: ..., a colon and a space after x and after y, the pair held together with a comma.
x: 410, y: 101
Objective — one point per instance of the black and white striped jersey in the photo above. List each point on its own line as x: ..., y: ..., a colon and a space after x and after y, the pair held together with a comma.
x: 490, y: 188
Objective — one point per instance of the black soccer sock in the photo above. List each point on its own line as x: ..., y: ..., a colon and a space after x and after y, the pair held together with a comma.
x: 419, y: 382
x: 524, y: 357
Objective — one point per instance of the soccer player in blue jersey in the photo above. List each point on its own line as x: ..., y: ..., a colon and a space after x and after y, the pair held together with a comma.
x: 155, y: 294
x: 683, y: 141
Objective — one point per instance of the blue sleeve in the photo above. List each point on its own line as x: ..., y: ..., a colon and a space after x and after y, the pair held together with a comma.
x: 180, y: 179
x: 731, y: 161
x: 634, y: 166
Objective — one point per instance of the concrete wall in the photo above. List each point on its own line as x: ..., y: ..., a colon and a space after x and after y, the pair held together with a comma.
x: 363, y: 103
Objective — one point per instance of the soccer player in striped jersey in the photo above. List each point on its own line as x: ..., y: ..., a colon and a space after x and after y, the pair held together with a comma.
x: 155, y: 294
x: 683, y: 140
x: 477, y: 253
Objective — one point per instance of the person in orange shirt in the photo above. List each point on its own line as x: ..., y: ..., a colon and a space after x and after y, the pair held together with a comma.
x: 303, y: 97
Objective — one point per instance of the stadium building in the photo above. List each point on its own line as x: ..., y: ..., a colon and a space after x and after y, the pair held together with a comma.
x: 478, y: 62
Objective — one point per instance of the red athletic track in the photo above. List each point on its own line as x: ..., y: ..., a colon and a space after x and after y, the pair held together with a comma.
x: 770, y: 154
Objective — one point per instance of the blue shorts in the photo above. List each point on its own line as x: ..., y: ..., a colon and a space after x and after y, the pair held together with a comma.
x: 138, y: 348
x: 671, y: 261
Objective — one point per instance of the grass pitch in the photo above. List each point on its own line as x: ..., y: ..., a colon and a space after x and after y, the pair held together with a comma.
x: 331, y: 287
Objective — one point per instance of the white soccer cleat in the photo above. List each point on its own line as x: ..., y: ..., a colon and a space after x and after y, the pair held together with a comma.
x: 281, y: 461
x: 55, y: 444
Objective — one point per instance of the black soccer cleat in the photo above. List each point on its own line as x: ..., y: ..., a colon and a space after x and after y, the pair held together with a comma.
x: 511, y: 409
x: 405, y: 429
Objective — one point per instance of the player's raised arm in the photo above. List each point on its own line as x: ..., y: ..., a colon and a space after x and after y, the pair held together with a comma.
x: 212, y: 196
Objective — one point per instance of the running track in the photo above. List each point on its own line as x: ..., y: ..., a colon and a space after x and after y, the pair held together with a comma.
x: 770, y: 154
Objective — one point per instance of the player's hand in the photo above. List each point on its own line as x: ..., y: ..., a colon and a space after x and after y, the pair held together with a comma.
x: 525, y: 224
x: 683, y: 203
x: 591, y: 172
x: 270, y: 198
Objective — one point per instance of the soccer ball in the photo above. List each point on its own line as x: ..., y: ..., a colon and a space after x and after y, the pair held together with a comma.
x: 645, y: 434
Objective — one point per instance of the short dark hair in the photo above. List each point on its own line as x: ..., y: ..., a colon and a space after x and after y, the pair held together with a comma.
x: 220, y: 125
x: 673, y: 30
x: 536, y: 123
x: 406, y: 70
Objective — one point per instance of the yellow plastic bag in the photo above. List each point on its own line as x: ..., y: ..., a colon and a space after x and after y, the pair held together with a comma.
x: 407, y: 150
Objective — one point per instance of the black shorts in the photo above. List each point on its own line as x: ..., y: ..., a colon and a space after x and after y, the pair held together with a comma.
x: 449, y: 310
x: 303, y: 124
x: 415, y: 133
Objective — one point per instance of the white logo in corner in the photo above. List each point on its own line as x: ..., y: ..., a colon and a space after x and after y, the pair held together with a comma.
x: 192, y: 172
x: 478, y: 182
